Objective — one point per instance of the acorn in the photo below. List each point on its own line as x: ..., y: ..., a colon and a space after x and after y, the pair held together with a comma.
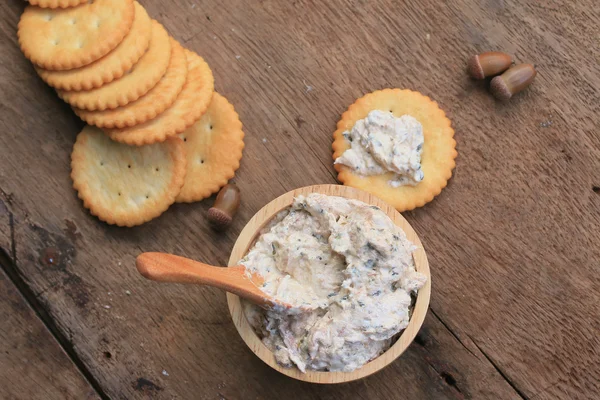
x: 488, y: 64
x: 225, y: 207
x: 513, y: 81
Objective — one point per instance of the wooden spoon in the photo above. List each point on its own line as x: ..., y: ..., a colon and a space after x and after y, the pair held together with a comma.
x: 163, y: 267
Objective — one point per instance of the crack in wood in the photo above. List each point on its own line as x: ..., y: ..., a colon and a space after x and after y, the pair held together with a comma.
x: 13, y: 242
x: 452, y: 333
x: 146, y: 386
x: 447, y: 377
x: 442, y: 369
x: 488, y: 358
x: 506, y: 378
x: 7, y: 201
x: 50, y: 287
x: 192, y: 37
x: 11, y: 270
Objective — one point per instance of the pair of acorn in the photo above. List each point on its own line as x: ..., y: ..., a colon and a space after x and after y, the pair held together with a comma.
x: 512, y: 81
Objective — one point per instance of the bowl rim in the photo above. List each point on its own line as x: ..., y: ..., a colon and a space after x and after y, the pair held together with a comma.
x: 249, y: 235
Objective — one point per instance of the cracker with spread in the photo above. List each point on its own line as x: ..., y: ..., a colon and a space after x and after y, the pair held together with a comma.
x: 397, y: 144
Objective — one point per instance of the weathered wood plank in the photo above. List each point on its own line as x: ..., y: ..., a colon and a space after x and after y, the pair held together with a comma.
x: 32, y: 364
x: 512, y: 241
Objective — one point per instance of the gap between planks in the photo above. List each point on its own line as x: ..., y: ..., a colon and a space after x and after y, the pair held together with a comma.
x: 8, y: 265
x: 502, y: 374
x: 443, y: 375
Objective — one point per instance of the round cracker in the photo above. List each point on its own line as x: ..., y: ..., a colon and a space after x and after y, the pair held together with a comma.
x: 110, y: 67
x: 213, y: 149
x: 142, y: 77
x: 189, y: 106
x: 66, y: 38
x: 126, y: 185
x: 56, y: 3
x: 158, y: 99
x: 437, y: 158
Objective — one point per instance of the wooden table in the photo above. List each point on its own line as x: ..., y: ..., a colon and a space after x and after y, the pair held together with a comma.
x: 513, y: 241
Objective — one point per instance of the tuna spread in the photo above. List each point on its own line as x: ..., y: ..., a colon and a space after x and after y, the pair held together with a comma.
x: 352, y: 269
x: 382, y: 143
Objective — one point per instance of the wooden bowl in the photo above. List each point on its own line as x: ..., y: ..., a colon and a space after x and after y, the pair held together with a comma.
x: 246, y: 240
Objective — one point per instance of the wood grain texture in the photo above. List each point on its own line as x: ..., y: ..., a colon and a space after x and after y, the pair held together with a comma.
x: 512, y: 241
x: 250, y: 234
x: 32, y: 364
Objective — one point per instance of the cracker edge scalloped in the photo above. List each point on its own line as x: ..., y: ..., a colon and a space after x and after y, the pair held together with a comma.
x: 120, y: 98
x: 208, y: 190
x: 177, y: 153
x: 145, y: 114
x: 141, y: 138
x: 97, y: 80
x: 435, y: 186
x: 100, y: 51
x: 56, y: 3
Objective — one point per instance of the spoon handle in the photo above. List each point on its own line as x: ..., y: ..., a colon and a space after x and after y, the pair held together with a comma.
x: 164, y: 267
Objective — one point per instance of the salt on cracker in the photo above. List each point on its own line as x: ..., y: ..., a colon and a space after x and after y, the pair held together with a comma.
x: 213, y: 149
x: 437, y: 158
x: 66, y: 38
x: 142, y: 77
x: 189, y: 106
x: 56, y: 3
x: 126, y: 185
x: 110, y: 67
x: 158, y: 99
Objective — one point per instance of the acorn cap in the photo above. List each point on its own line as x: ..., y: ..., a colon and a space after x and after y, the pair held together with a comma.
x: 499, y: 89
x: 218, y: 218
x: 474, y: 67
x: 488, y: 64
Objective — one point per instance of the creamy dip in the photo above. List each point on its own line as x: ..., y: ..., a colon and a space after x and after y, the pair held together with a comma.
x: 382, y: 143
x: 350, y: 265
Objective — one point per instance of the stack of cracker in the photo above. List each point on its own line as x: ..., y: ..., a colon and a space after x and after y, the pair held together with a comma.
x: 157, y: 133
